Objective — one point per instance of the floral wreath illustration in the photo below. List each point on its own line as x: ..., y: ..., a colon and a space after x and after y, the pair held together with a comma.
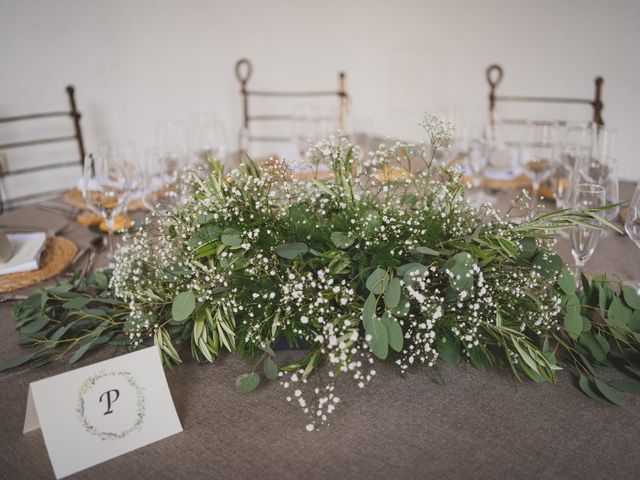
x: 88, y: 384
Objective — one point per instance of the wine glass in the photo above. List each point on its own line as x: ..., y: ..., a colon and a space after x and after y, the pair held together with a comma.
x: 584, y: 239
x: 477, y: 150
x: 171, y: 133
x: 603, y: 172
x: 538, y: 152
x: 576, y: 144
x: 111, y: 175
x: 632, y: 221
x: 162, y: 188
x: 206, y: 139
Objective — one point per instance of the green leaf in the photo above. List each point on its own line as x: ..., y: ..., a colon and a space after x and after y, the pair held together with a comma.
x: 567, y: 282
x: 427, y: 251
x: 377, y: 281
x: 184, y: 303
x: 609, y: 393
x: 586, y: 388
x: 573, y: 319
x: 80, y: 352
x: 270, y: 369
x: 291, y: 251
x: 631, y: 297
x: 549, y: 264
x: 369, y: 309
x: 619, y: 312
x: 76, y: 303
x: 589, y: 341
x: 629, y: 386
x: 247, y: 382
x: 101, y: 279
x: 16, y: 361
x: 341, y: 240
x: 392, y: 293
x: 478, y: 359
x: 447, y: 350
x: 231, y: 237
x: 379, y: 341
x: 35, y: 325
x: 206, y: 234
x: 394, y: 331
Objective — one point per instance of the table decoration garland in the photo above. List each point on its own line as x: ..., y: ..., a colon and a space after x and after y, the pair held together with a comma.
x: 365, y: 265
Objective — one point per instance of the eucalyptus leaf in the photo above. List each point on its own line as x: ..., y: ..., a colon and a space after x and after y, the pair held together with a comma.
x: 629, y: 386
x: 291, y: 251
x: 76, y: 303
x: 270, y: 369
x: 631, y: 297
x: 247, y: 382
x: 377, y: 281
x: 567, y: 282
x: 392, y: 293
x: 369, y: 308
x: 427, y: 251
x: 609, y: 393
x: 184, y: 303
x: 586, y: 388
x: 341, y: 240
x: 379, y: 341
x: 394, y: 331
x: 231, y: 237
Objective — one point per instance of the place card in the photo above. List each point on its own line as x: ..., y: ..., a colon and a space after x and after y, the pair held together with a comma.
x: 101, y: 411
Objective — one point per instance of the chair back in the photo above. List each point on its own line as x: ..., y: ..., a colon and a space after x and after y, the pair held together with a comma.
x: 27, y: 170
x: 495, y: 74
x: 244, y: 70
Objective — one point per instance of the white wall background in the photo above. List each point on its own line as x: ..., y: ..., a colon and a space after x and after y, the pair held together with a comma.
x: 136, y: 61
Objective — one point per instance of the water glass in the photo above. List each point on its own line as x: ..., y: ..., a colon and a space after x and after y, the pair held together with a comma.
x: 538, y: 152
x: 110, y: 176
x: 163, y: 171
x: 584, y: 239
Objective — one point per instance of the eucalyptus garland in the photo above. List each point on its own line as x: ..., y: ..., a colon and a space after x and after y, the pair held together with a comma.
x: 382, y: 260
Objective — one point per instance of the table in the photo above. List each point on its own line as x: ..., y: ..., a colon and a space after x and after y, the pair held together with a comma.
x: 449, y: 422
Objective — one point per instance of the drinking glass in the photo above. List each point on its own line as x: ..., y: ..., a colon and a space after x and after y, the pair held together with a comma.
x: 477, y: 151
x: 111, y: 176
x: 632, y: 222
x: 163, y: 169
x: 584, y: 239
x: 576, y: 145
x: 207, y: 139
x: 171, y: 133
x: 603, y: 172
x: 538, y: 152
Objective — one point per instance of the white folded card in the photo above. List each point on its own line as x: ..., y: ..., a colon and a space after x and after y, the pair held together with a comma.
x: 27, y: 248
x: 98, y: 412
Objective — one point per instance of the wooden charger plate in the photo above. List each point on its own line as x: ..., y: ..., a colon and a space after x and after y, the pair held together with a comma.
x: 57, y: 255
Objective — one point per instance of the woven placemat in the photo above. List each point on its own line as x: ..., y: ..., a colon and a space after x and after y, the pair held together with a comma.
x: 57, y: 255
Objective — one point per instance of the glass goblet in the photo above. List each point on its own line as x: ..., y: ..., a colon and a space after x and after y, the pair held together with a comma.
x: 584, y: 238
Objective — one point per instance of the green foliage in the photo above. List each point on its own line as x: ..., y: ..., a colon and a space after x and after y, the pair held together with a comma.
x: 183, y: 305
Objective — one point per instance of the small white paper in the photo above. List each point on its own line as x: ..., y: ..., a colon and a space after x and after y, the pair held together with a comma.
x: 101, y: 411
x: 27, y: 248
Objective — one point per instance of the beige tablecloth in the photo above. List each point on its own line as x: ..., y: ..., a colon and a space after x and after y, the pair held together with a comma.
x: 441, y: 423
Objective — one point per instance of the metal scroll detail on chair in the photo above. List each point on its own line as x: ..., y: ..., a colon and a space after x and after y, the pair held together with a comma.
x: 75, y: 115
x: 495, y: 74
x: 244, y: 70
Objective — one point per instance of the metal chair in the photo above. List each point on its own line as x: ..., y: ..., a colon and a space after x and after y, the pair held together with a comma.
x: 494, y: 76
x: 76, y: 137
x: 244, y: 70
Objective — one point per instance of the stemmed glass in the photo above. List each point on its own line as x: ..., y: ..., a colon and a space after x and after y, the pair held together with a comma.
x: 538, y: 152
x: 163, y: 169
x: 171, y: 133
x: 584, y: 239
x: 206, y: 139
x: 576, y: 145
x: 632, y: 222
x: 111, y: 175
x: 477, y: 151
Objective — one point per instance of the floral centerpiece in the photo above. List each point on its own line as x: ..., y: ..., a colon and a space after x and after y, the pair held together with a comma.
x: 385, y: 260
